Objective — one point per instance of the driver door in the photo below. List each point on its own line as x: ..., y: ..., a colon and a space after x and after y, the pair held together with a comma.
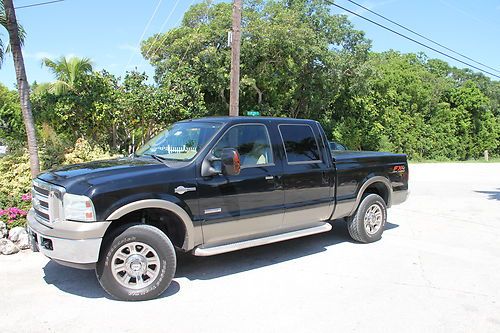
x: 249, y: 204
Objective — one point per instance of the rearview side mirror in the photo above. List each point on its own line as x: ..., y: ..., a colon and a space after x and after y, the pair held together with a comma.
x: 231, y: 164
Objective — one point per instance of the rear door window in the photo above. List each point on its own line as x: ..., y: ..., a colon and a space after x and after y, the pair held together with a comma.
x: 300, y: 144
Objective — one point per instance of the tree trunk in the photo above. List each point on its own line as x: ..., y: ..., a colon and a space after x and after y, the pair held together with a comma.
x: 115, y: 140
x: 22, y: 86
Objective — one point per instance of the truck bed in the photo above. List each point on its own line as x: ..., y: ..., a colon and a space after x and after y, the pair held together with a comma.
x: 355, y: 168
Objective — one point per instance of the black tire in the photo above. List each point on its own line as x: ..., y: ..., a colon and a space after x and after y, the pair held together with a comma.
x: 356, y: 222
x: 157, y: 246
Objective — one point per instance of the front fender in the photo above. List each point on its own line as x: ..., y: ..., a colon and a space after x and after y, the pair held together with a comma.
x: 189, y: 240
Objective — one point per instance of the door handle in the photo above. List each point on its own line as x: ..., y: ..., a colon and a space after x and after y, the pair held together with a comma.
x: 181, y: 189
x: 269, y: 177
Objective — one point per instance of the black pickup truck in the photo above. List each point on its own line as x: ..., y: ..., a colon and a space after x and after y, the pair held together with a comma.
x: 208, y: 186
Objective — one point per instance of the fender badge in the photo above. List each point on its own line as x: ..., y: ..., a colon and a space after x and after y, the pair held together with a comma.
x: 399, y: 168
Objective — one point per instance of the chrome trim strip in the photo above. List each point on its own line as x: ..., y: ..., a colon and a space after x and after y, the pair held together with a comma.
x: 38, y: 194
x: 41, y: 208
x: 210, y: 251
x: 41, y: 184
x: 213, y: 210
x: 40, y: 218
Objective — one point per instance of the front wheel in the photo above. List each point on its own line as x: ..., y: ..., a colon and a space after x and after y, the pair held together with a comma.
x: 138, y: 263
x: 367, y: 224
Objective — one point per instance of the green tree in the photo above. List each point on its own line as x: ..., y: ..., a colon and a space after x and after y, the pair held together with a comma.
x: 144, y: 108
x: 297, y: 59
x: 478, y: 126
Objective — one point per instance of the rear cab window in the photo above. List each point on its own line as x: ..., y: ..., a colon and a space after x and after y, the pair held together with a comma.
x: 301, y: 145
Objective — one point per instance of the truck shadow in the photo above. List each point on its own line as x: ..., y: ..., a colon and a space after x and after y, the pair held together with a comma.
x: 492, y: 195
x: 84, y: 283
x: 207, y: 268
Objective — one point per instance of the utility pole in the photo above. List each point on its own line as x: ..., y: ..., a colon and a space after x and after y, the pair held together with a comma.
x: 234, y: 97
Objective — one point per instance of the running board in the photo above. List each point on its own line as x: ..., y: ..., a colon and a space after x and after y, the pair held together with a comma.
x: 210, y: 251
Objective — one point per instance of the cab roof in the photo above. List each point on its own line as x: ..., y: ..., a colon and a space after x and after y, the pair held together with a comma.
x: 246, y: 119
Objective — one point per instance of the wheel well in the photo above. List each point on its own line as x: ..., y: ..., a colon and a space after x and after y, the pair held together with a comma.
x: 380, y: 189
x: 167, y: 221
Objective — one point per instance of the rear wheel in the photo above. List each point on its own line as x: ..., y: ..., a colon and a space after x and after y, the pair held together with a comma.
x: 138, y: 263
x: 367, y: 224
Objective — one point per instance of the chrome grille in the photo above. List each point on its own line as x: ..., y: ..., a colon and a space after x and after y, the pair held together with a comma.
x: 47, y: 201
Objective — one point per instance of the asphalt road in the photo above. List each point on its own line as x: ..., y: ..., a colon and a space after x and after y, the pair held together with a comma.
x: 436, y: 269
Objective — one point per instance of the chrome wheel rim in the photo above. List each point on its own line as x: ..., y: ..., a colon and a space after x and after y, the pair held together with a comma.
x: 135, y: 265
x: 373, y: 219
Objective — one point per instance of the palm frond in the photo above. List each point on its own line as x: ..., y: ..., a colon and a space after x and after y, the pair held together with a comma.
x: 66, y: 71
x: 50, y: 64
x: 21, y: 32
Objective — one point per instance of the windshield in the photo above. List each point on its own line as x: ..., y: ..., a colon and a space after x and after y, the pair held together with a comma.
x: 180, y: 141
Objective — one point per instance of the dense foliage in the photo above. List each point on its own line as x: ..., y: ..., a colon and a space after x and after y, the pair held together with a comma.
x: 298, y: 60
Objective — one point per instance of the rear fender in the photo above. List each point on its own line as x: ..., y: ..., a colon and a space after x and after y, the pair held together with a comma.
x: 366, y: 184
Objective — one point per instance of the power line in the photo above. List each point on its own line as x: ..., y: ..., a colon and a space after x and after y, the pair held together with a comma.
x: 143, y: 33
x: 197, y: 30
x: 413, y: 40
x: 38, y: 4
x: 158, y: 36
x: 161, y: 28
x: 422, y: 36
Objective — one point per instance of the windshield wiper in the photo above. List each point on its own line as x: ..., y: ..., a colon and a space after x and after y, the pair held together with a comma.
x: 157, y: 157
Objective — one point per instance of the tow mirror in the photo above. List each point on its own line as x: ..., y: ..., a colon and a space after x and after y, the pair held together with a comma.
x: 231, y: 164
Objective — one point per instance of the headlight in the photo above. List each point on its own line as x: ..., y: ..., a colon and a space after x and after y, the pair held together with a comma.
x: 78, y: 208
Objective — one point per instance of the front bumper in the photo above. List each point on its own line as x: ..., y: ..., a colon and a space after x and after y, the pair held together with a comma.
x: 67, y: 242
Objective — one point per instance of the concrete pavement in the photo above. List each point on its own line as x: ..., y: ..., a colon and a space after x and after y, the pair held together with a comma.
x: 436, y: 269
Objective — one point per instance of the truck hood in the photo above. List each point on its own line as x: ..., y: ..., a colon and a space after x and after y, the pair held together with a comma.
x: 86, y: 175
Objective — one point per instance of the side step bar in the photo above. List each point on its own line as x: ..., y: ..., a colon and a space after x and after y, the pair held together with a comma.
x: 210, y: 251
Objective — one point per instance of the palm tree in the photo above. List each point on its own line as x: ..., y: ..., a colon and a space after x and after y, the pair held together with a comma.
x: 16, y: 36
x: 67, y: 72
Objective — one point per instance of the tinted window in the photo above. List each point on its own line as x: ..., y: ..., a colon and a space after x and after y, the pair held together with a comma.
x: 300, y: 143
x: 180, y: 141
x: 252, y: 143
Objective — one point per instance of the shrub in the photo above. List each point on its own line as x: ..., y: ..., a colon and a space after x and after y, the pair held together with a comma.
x: 13, y: 217
x: 83, y: 151
x: 15, y: 180
x: 15, y: 183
